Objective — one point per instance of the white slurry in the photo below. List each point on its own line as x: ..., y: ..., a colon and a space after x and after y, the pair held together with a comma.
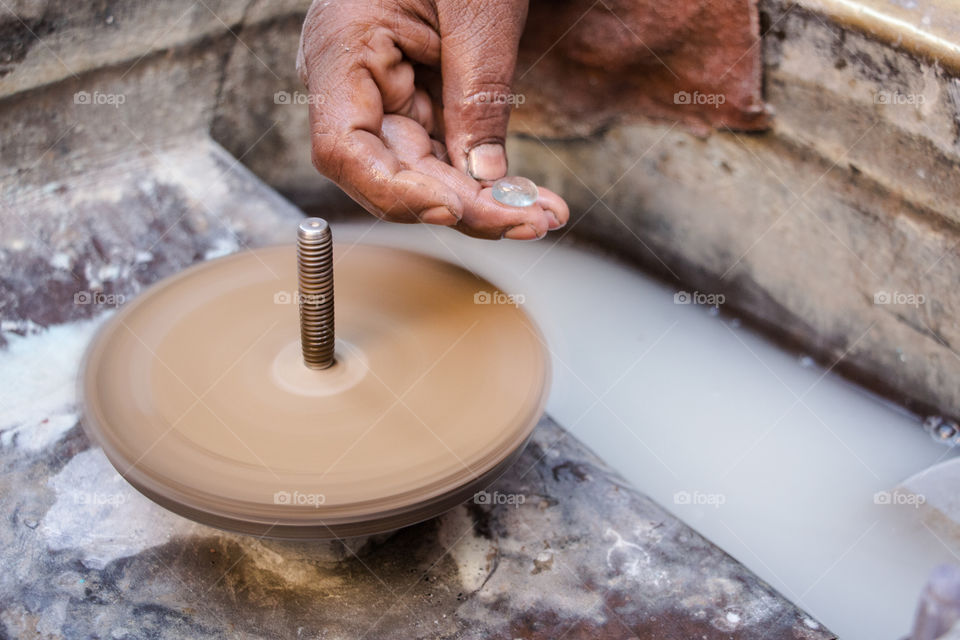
x: 676, y: 397
x: 98, y: 513
x: 38, y: 379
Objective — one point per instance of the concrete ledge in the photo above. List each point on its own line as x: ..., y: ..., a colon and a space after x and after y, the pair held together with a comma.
x: 46, y: 42
x: 929, y: 28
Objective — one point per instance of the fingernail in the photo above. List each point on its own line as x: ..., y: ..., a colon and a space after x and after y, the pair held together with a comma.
x: 522, y: 232
x: 556, y: 224
x: 487, y: 162
x: 439, y: 215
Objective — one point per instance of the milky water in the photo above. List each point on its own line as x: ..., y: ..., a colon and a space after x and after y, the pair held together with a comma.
x: 761, y: 450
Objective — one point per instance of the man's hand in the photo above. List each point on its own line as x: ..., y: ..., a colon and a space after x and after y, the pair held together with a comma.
x: 380, y: 136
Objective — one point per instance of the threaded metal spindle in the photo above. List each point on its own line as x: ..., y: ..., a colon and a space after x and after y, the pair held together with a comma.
x: 315, y: 275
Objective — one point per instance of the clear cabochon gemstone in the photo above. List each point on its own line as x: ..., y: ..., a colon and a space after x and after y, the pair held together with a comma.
x: 515, y: 191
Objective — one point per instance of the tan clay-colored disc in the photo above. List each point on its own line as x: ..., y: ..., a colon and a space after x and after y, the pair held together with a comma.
x: 199, y: 397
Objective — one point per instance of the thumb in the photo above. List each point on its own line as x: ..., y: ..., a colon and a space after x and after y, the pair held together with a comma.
x: 478, y: 54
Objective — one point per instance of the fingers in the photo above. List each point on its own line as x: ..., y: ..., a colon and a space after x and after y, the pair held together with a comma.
x: 479, y: 51
x: 345, y: 149
x: 373, y: 176
x: 481, y: 215
x: 555, y: 206
x: 358, y: 69
x: 394, y: 76
x: 355, y: 72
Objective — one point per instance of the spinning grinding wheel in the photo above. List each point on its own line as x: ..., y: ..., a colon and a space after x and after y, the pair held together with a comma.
x: 209, y: 396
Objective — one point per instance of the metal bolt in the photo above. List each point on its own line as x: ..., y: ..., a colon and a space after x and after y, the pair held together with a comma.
x: 315, y: 275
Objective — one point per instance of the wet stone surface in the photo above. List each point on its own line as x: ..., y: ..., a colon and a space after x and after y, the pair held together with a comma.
x: 559, y: 546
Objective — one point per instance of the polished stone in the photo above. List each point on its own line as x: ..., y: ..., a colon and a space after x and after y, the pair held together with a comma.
x: 515, y: 191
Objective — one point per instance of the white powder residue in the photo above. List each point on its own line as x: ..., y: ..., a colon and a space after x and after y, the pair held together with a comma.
x: 472, y: 553
x: 97, y: 275
x: 99, y: 514
x: 222, y: 246
x: 61, y: 261
x: 625, y: 556
x: 21, y: 327
x: 110, y: 272
x: 38, y: 379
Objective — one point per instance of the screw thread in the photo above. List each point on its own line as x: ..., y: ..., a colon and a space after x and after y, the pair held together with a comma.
x: 315, y: 276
